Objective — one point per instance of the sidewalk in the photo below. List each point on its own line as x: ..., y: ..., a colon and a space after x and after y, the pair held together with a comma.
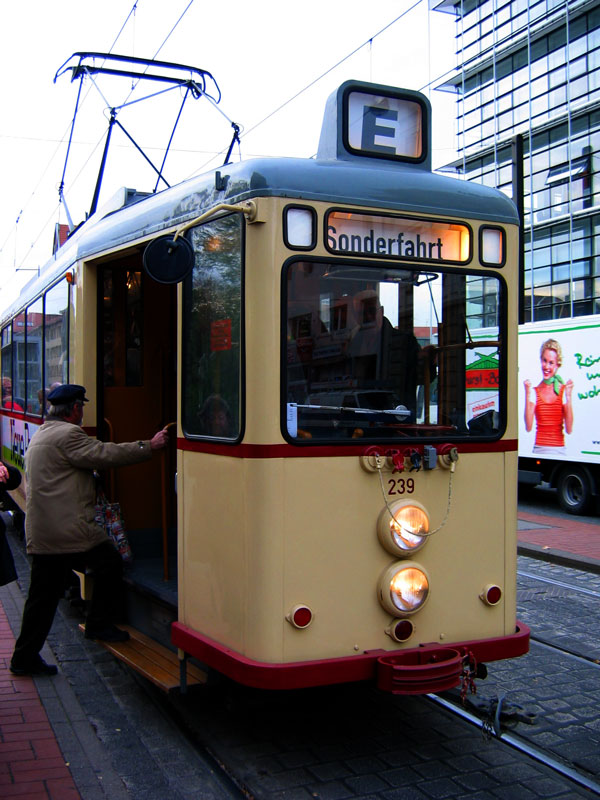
x: 566, y: 541
x: 32, y: 765
x: 93, y: 731
x: 49, y: 749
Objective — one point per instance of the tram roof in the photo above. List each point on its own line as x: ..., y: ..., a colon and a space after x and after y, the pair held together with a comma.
x: 400, y: 188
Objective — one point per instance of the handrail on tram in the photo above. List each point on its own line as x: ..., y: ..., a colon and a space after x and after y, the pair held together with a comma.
x: 163, y: 495
x: 111, y: 471
x: 248, y: 208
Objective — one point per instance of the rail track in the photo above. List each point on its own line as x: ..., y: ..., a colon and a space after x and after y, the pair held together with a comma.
x: 561, y: 584
x: 488, y: 714
x: 518, y: 742
x: 249, y: 773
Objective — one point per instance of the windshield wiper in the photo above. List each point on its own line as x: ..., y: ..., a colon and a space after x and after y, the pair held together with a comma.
x: 399, y: 411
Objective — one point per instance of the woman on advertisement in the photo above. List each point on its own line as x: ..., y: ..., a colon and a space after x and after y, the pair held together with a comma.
x: 551, y: 405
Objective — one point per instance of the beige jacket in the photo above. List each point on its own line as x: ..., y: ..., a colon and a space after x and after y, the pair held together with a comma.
x: 61, y: 489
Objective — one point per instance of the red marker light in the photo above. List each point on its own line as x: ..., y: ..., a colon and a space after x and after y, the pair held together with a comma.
x: 300, y: 616
x: 491, y: 595
x: 403, y: 630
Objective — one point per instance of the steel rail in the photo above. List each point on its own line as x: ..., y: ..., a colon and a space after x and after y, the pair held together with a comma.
x: 518, y: 744
x: 562, y: 584
x: 587, y: 660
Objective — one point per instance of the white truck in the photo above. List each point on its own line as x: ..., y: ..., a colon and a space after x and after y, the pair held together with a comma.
x: 574, y: 468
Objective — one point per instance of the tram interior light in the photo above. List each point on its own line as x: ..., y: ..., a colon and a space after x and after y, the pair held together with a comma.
x: 213, y: 244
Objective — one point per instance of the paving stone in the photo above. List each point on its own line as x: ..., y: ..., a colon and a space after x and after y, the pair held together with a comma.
x: 302, y: 758
x: 362, y: 766
x: 440, y: 788
x: 406, y: 793
x: 434, y: 769
x: 333, y: 770
x: 476, y: 781
x: 401, y: 776
x: 342, y: 742
x: 294, y: 794
x: 332, y: 790
x: 516, y: 791
x: 363, y: 784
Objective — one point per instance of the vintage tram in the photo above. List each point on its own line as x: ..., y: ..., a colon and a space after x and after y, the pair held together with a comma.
x: 335, y: 340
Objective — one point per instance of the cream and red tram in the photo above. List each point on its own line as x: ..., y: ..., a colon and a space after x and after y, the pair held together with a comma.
x: 335, y: 339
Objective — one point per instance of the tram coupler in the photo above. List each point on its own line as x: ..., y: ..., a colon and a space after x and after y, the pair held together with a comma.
x: 421, y: 671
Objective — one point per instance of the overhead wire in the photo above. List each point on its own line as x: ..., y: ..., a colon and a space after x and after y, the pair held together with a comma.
x: 368, y: 42
x: 335, y: 66
x: 165, y: 40
x: 54, y: 154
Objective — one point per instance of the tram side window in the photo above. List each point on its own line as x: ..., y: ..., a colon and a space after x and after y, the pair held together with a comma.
x: 212, y: 331
x: 56, y: 335
x: 19, y: 362
x: 8, y: 400
x: 378, y: 353
x: 35, y: 351
x: 34, y: 356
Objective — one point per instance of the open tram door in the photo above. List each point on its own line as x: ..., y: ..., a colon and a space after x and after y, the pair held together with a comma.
x: 137, y: 388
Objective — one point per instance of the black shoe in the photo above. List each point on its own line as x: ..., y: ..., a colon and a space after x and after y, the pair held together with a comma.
x: 38, y: 668
x: 108, y: 634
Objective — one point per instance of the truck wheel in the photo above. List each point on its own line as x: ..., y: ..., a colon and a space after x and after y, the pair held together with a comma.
x: 574, y: 490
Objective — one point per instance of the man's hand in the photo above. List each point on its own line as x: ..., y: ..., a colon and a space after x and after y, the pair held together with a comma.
x: 159, y: 440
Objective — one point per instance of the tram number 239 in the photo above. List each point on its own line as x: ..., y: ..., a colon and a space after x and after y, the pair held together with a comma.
x: 401, y: 486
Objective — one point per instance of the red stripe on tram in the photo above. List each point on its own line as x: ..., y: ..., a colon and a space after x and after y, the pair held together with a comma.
x: 244, y: 450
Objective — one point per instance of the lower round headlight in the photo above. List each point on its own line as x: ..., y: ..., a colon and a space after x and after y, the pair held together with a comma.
x: 403, y: 589
x: 406, y: 531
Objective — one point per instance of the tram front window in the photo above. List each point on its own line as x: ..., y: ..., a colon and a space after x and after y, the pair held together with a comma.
x: 378, y: 353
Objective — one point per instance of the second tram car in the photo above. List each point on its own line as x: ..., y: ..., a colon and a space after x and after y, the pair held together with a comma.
x: 335, y: 341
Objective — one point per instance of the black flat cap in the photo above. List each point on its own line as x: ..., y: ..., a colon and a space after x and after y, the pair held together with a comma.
x: 67, y: 393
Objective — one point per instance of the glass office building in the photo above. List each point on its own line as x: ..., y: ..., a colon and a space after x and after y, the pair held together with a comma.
x: 533, y: 68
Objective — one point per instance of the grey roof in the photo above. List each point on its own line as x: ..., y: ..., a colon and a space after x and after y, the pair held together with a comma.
x: 391, y: 186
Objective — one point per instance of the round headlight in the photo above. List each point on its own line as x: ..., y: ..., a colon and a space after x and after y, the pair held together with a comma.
x: 406, y: 531
x: 403, y: 589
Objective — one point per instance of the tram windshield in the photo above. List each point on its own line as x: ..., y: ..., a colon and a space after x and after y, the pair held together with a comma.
x: 381, y: 352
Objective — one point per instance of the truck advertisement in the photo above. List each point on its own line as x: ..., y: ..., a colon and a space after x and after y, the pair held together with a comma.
x: 559, y: 408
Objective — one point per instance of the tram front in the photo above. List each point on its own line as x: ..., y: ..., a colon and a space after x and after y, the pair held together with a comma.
x: 365, y: 496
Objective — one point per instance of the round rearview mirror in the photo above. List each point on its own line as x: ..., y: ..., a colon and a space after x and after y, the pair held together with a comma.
x: 168, y: 260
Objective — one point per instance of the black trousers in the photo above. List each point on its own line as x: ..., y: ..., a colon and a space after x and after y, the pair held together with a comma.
x: 50, y: 575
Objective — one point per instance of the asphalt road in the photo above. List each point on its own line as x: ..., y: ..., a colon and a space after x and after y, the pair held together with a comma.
x: 544, y: 501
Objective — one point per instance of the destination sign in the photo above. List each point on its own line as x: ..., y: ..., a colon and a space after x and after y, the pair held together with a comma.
x: 398, y: 237
x: 380, y: 124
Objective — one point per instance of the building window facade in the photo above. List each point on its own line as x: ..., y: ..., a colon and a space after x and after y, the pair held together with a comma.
x: 533, y: 68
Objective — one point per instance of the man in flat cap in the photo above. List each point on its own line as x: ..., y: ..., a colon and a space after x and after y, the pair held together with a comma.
x: 60, y: 530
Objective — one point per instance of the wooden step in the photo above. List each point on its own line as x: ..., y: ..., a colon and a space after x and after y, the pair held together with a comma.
x: 152, y: 660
